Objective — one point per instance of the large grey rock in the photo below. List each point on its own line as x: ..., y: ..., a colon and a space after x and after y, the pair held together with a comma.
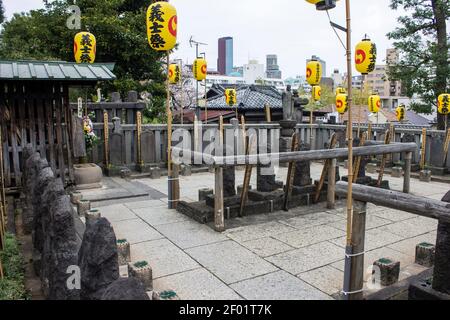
x: 98, y: 259
x: 125, y: 289
x: 61, y: 249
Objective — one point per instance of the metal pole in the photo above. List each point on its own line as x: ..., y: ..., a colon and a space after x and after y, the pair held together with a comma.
x: 197, y: 108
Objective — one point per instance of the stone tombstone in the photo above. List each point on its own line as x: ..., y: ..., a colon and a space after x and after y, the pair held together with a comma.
x: 148, y: 147
x: 298, y: 104
x: 436, y: 150
x: 115, y: 97
x: 229, y: 181
x: 286, y: 100
x: 302, y: 175
x: 79, y: 142
x: 265, y: 182
x: 125, y: 289
x: 132, y: 96
x: 115, y: 149
x: 98, y: 259
x: 62, y: 252
x: 364, y: 160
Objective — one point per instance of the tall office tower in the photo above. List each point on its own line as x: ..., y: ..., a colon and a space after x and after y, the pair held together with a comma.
x: 272, y: 69
x: 225, y: 60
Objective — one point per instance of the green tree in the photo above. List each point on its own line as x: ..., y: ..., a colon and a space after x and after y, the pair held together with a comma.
x: 422, y: 40
x: 2, y: 12
x: 120, y: 30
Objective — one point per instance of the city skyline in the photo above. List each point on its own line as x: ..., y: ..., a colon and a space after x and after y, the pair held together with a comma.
x: 300, y: 33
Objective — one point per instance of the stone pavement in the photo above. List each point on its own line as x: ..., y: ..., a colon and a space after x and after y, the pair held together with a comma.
x: 295, y: 255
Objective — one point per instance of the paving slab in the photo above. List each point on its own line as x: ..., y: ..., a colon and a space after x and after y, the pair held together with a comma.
x: 159, y: 216
x: 258, y: 231
x: 135, y: 231
x: 394, y: 215
x: 308, y: 258
x: 197, y: 284
x: 371, y: 256
x: 375, y: 238
x: 328, y: 279
x: 314, y: 219
x: 372, y: 222
x: 146, y: 204
x: 163, y: 256
x: 308, y: 236
x: 230, y: 262
x: 117, y: 212
x: 188, y: 234
x: 411, y: 227
x: 266, y: 247
x: 408, y: 246
x: 278, y: 285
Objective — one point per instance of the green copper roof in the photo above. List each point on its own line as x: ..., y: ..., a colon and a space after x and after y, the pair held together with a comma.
x: 55, y: 70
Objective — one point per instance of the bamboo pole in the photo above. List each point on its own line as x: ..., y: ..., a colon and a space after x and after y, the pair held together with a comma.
x: 349, y: 246
x: 446, y: 145
x: 359, y: 107
x: 106, y: 138
x: 247, y: 177
x: 206, y: 105
x: 182, y: 95
x: 424, y: 149
x: 369, y: 131
x: 139, y: 142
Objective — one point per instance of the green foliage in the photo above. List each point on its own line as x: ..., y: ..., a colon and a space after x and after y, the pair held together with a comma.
x: 422, y: 40
x: 2, y: 12
x: 12, y: 285
x: 120, y: 30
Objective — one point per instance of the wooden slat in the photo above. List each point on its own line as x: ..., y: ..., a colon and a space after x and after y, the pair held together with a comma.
x: 59, y: 136
x: 13, y: 138
x: 290, y: 175
x: 325, y: 169
x: 358, y: 159
x: 387, y: 140
x: 4, y: 142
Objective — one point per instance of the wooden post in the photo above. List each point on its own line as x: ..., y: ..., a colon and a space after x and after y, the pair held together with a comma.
x: 268, y: 114
x: 325, y: 169
x: 357, y: 256
x: 424, y: 149
x: 369, y: 131
x: 331, y: 187
x: 106, y: 138
x: 139, y: 133
x: 247, y: 177
x: 2, y: 196
x: 291, y: 173
x: 387, y: 140
x: 407, y: 174
x: 219, y: 221
x: 358, y: 159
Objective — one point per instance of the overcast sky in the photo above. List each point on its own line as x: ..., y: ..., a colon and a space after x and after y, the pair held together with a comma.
x: 292, y: 29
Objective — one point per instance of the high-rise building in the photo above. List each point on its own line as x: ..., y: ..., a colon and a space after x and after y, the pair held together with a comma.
x: 272, y: 69
x: 322, y: 62
x: 225, y: 60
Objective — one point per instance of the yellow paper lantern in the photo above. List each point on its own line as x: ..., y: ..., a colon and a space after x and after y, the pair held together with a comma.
x: 365, y: 56
x: 313, y: 72
x: 174, y: 73
x: 400, y: 112
x: 84, y: 47
x: 340, y: 90
x: 230, y: 97
x: 374, y: 103
x: 323, y: 4
x: 199, y: 69
x: 444, y: 103
x: 162, y: 26
x: 316, y: 92
x: 341, y: 103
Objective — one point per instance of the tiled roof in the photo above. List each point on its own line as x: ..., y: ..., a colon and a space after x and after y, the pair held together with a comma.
x: 55, y: 70
x: 248, y: 97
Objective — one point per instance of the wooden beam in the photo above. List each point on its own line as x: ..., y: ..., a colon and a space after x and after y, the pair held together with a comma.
x: 290, y: 174
x: 387, y: 140
x: 398, y: 200
x: 325, y: 169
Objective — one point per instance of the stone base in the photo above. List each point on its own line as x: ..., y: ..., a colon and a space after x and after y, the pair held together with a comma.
x: 422, y: 289
x: 202, y: 193
x: 425, y: 175
x: 368, y: 181
x: 143, y: 272
x: 185, y: 170
x: 239, y: 188
x: 397, y: 172
x: 113, y: 171
x: 389, y: 271
x: 371, y: 168
x: 255, y: 195
x: 438, y: 171
x: 155, y: 173
x: 425, y: 254
x: 87, y: 176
